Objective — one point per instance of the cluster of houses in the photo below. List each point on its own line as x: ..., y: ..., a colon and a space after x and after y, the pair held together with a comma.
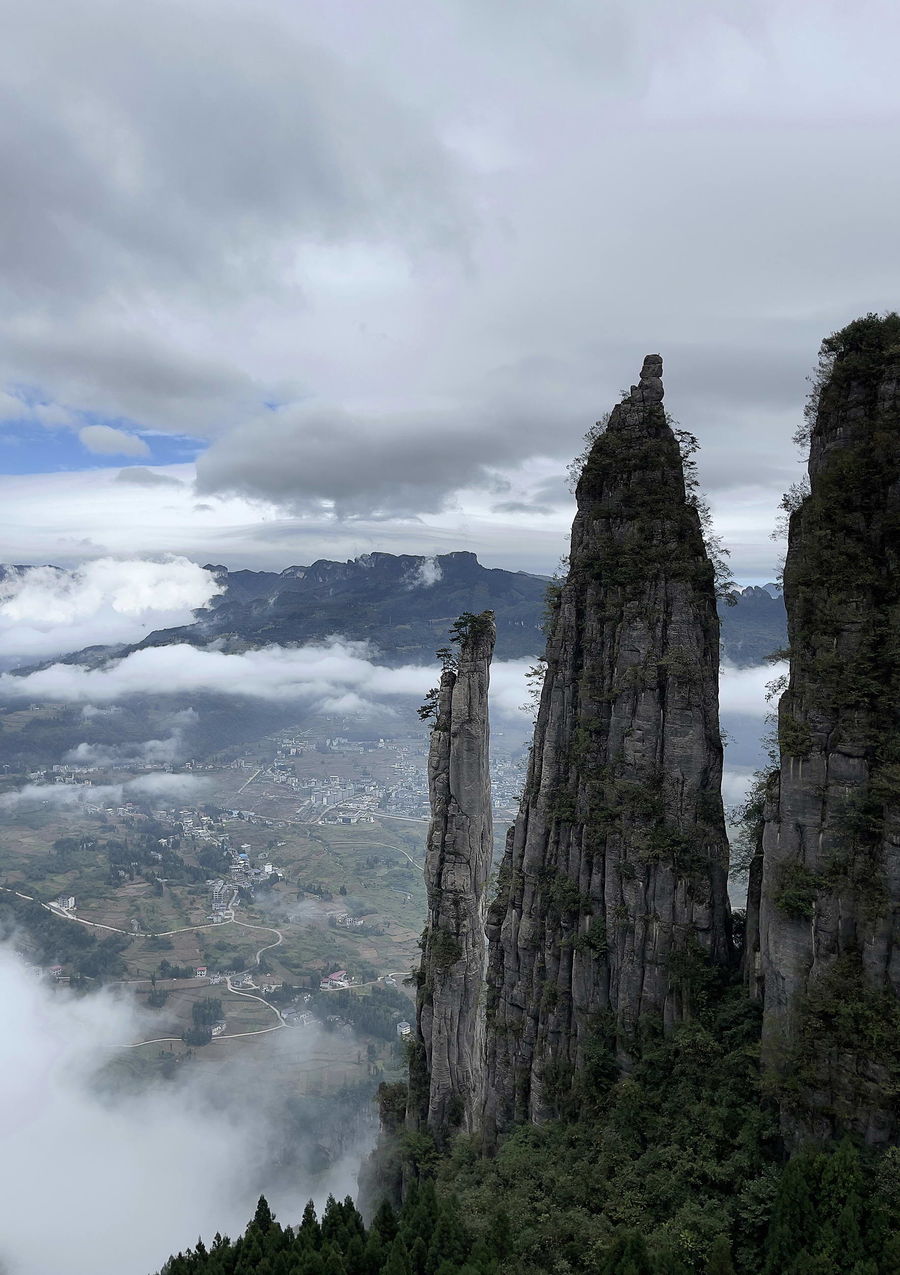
x: 223, y: 895
x: 348, y: 922
x: 333, y: 982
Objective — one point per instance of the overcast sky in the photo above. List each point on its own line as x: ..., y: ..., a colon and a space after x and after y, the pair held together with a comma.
x: 284, y: 280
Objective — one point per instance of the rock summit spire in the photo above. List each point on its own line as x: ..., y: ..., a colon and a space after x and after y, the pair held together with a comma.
x: 612, y: 894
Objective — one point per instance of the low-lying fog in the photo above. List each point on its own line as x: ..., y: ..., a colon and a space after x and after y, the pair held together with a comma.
x: 130, y: 1172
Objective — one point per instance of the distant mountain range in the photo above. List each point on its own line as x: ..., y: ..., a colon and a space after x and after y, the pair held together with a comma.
x: 755, y: 627
x: 403, y: 605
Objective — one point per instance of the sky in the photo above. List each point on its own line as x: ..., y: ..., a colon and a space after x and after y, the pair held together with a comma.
x: 282, y: 281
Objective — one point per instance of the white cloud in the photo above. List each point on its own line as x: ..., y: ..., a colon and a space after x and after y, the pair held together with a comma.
x: 744, y: 690
x: 72, y: 516
x: 509, y: 688
x: 337, y: 677
x: 106, y: 441
x: 209, y: 237
x: 133, y: 1175
x: 140, y: 476
x: 158, y: 786
x: 44, y: 610
x: 168, y: 749
x: 736, y: 781
x: 429, y: 573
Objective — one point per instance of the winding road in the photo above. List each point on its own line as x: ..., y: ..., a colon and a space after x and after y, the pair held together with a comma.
x: 55, y: 910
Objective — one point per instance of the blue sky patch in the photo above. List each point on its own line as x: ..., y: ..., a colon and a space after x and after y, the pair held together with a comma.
x: 27, y: 447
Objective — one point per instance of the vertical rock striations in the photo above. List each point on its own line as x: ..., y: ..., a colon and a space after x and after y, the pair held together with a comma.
x: 829, y: 945
x: 446, y: 1072
x: 612, y: 892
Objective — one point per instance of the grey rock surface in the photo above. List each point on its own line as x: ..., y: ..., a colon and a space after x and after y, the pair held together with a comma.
x: 825, y: 955
x: 613, y: 886
x: 446, y: 1074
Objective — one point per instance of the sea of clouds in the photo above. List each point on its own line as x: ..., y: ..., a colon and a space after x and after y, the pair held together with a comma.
x: 130, y: 1175
x: 46, y: 611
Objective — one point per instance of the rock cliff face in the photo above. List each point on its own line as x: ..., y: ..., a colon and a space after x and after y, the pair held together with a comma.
x: 446, y: 1069
x: 612, y: 892
x: 828, y: 966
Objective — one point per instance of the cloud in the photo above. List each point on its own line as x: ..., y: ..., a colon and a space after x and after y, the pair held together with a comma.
x: 67, y: 517
x: 429, y: 573
x: 510, y: 689
x: 168, y: 1161
x: 736, y: 781
x: 169, y: 748
x: 743, y: 690
x: 365, y: 464
x: 338, y: 676
x: 45, y: 610
x: 140, y: 476
x: 334, y: 677
x: 90, y: 711
x: 329, y: 237
x: 158, y: 786
x: 520, y: 507
x: 106, y: 441
x: 182, y: 204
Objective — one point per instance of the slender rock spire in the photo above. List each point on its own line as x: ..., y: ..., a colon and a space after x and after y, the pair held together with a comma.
x: 612, y: 897
x: 828, y: 955
x: 446, y: 1068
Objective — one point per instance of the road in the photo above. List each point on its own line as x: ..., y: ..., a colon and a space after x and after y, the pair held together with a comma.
x: 55, y: 910
x: 270, y: 929
x: 144, y: 934
x: 420, y: 866
x: 251, y: 779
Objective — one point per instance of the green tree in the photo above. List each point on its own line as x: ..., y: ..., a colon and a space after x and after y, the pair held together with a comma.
x: 719, y: 1260
x: 628, y: 1256
x: 398, y: 1259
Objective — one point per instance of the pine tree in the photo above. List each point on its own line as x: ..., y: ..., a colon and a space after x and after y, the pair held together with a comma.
x: 310, y: 1231
x: 628, y: 1256
x: 418, y: 1256
x: 449, y: 1241
x: 264, y: 1217
x: 332, y: 1261
x: 398, y: 1259
x: 719, y: 1261
x: 794, y: 1223
x: 375, y: 1253
x: 385, y: 1222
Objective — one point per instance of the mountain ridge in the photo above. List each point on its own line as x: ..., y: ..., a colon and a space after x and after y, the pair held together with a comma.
x: 402, y: 605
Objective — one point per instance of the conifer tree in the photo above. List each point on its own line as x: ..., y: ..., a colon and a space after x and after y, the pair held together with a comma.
x: 398, y: 1259
x: 385, y: 1221
x: 793, y: 1222
x: 628, y: 1256
x: 719, y: 1261
x: 418, y: 1256
x: 309, y: 1226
